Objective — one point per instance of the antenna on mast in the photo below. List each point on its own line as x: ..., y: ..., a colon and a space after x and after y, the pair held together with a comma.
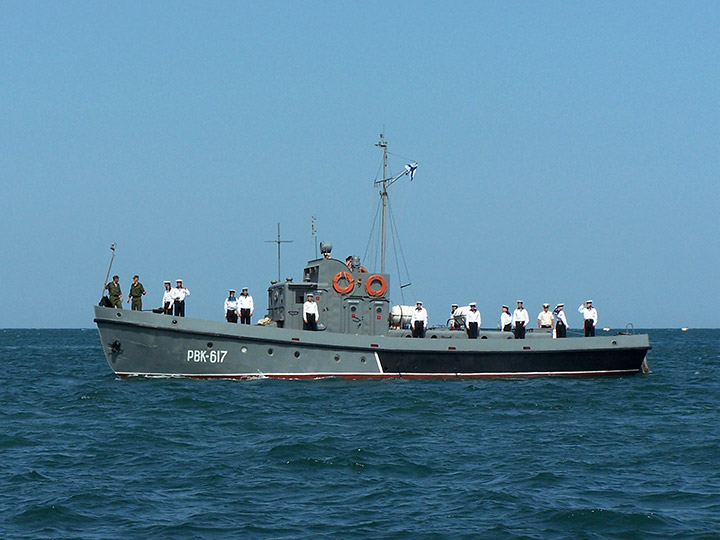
x: 314, y: 233
x: 278, y: 242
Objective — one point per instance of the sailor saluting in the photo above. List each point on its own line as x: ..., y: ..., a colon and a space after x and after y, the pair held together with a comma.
x: 562, y: 325
x: 590, y: 317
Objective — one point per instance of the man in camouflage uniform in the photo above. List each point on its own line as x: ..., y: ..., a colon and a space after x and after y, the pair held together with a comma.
x: 114, y: 292
x: 136, y: 292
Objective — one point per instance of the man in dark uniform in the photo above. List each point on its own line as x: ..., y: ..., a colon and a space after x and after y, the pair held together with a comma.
x: 136, y: 293
x: 114, y: 292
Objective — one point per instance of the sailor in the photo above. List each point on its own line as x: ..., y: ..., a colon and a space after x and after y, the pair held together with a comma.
x: 520, y: 320
x: 231, y: 307
x: 114, y: 292
x: 310, y: 313
x: 179, y: 293
x: 452, y: 324
x: 472, y: 321
x: 505, y: 320
x: 246, y: 306
x: 561, y: 325
x: 590, y: 317
x: 545, y: 317
x: 167, y: 299
x: 418, y: 321
x: 136, y: 293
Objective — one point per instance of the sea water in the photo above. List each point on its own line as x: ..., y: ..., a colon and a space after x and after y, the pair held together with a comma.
x: 85, y: 454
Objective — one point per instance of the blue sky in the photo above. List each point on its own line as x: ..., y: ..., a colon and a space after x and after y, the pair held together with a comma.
x: 567, y: 150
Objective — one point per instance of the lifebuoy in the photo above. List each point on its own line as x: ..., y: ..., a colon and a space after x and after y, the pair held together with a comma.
x: 383, y: 285
x: 339, y: 288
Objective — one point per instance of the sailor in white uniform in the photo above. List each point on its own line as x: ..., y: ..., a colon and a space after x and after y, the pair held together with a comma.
x: 246, y: 306
x: 520, y: 319
x: 167, y: 300
x: 452, y: 325
x: 179, y: 293
x: 590, y: 317
x: 472, y: 321
x: 505, y: 320
x: 561, y: 325
x: 419, y: 320
x: 311, y: 316
x: 231, y: 307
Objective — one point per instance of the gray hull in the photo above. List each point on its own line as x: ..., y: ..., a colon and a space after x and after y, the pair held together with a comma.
x: 149, y: 344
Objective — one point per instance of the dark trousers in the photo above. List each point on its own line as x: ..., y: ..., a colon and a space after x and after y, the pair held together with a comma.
x: 589, y: 328
x: 311, y: 323
x: 231, y: 316
x: 519, y: 331
x: 418, y: 330
x: 560, y: 330
x: 179, y: 308
x: 507, y: 327
x: 245, y: 316
x: 472, y: 330
x: 167, y: 308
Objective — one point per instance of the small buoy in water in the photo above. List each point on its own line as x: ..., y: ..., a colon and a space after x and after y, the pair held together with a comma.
x: 606, y: 329
x: 684, y: 329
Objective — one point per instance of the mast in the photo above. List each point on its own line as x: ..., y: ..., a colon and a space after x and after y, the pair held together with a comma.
x: 382, y: 143
x: 386, y: 183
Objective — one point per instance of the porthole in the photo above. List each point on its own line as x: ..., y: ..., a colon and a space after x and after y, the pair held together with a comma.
x: 210, y: 344
x: 297, y: 354
x: 243, y: 349
x: 118, y: 314
x: 174, y: 321
x: 336, y: 357
x: 363, y: 360
x: 270, y: 352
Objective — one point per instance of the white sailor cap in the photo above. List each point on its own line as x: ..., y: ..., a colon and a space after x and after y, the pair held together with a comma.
x: 310, y: 295
x: 244, y: 289
x: 166, y: 281
x: 419, y: 302
x: 560, y: 305
x: 520, y: 302
x: 453, y: 305
x: 232, y: 290
x: 546, y: 305
x: 472, y: 304
x: 178, y: 281
x: 588, y: 301
x: 505, y: 306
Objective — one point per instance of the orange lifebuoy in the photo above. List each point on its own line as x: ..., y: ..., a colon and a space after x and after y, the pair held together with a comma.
x: 383, y: 285
x: 347, y: 276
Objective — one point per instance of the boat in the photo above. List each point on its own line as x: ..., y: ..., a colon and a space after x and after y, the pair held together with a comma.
x: 359, y: 335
